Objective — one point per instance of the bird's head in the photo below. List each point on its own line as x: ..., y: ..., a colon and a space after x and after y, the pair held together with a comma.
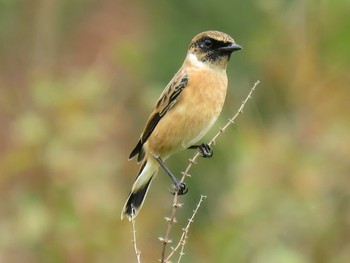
x: 213, y: 48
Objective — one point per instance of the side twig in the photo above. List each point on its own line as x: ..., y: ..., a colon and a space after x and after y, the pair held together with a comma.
x: 137, y: 251
x: 172, y: 219
x: 184, y: 236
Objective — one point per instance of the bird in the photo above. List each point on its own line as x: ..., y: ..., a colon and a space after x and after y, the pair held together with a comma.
x: 185, y: 111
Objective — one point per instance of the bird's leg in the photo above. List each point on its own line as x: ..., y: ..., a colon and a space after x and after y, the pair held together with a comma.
x: 180, y: 187
x: 204, y: 150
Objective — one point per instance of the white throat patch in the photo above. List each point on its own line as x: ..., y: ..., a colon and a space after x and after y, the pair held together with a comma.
x: 194, y: 60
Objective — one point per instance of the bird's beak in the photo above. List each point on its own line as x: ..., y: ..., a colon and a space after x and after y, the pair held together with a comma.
x: 231, y: 47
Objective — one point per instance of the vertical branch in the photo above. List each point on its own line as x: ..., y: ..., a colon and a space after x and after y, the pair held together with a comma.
x: 171, y: 220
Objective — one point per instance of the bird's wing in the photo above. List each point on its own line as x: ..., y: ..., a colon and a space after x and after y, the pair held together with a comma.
x: 166, y: 101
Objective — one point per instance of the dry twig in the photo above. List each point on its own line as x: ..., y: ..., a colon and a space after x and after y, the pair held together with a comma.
x: 137, y: 251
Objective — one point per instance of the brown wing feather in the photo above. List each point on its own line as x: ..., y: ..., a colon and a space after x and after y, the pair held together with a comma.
x: 166, y: 101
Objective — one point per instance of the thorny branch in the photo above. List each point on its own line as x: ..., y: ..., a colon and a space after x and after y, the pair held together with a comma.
x: 172, y: 219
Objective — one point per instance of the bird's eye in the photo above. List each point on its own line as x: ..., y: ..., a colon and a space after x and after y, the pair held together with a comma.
x: 207, y: 43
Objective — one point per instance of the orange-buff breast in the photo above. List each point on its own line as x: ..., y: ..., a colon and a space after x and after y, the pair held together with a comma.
x: 192, y: 116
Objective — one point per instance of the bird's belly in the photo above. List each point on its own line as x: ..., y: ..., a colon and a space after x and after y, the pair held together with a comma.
x: 188, y: 121
x: 179, y: 130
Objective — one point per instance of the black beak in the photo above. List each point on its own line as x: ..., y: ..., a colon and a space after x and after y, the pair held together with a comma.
x: 231, y: 47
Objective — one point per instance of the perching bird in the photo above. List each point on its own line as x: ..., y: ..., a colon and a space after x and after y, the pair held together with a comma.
x: 187, y: 108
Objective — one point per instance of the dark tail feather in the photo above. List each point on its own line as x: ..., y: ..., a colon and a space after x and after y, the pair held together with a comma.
x: 136, y: 150
x: 139, y: 189
x: 135, y: 201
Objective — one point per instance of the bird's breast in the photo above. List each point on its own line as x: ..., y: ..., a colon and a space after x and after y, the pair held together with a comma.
x: 195, y: 112
x: 204, y: 100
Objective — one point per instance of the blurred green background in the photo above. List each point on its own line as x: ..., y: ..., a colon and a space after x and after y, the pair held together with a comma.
x: 77, y: 82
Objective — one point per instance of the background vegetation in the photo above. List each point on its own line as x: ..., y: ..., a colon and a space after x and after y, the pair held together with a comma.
x: 77, y: 82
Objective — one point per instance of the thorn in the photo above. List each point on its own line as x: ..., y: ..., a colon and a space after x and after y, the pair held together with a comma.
x: 186, y: 174
x: 161, y: 239
x: 179, y: 205
x: 192, y: 161
x: 167, y: 219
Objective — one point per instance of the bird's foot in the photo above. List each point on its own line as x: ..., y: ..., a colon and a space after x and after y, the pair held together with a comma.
x: 204, y: 150
x: 180, y: 188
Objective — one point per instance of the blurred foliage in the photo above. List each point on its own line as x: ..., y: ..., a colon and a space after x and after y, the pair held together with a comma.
x: 77, y: 81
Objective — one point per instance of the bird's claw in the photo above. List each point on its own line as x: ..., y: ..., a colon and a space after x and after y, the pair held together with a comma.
x: 205, y: 150
x: 180, y: 188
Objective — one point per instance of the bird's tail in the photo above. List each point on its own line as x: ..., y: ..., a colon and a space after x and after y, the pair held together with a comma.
x: 139, y: 189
